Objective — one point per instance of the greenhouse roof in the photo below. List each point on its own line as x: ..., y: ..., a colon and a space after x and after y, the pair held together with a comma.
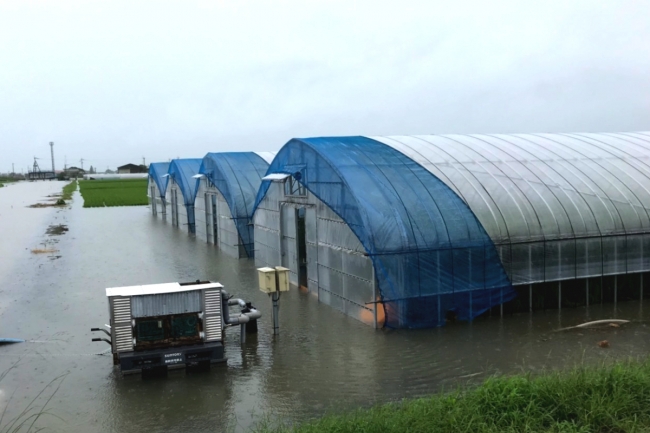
x: 530, y: 187
x: 182, y: 172
x: 158, y: 171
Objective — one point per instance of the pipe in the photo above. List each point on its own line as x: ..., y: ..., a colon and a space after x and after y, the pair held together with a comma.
x: 103, y: 339
x: 242, y: 318
x: 102, y: 330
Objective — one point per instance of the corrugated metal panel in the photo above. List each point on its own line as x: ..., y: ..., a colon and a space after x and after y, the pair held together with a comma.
x: 122, y: 310
x: 122, y: 334
x: 168, y: 303
x: 123, y: 338
x: 212, y: 324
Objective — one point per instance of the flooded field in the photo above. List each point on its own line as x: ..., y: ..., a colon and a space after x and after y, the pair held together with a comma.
x: 322, y: 361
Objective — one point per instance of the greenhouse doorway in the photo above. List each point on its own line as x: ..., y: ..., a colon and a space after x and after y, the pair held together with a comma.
x: 175, y: 207
x: 154, y: 209
x: 301, y: 241
x: 215, y: 227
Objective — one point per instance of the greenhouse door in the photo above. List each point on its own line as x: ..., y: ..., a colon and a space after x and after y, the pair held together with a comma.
x: 154, y: 210
x: 301, y: 247
x: 208, y: 217
x: 174, y: 207
x: 215, y: 227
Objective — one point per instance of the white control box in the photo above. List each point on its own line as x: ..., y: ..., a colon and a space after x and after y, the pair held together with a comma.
x: 267, y: 280
x: 283, y: 278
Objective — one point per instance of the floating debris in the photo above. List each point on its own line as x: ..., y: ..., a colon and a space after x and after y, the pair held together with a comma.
x: 44, y: 251
x: 56, y: 230
x: 603, y: 344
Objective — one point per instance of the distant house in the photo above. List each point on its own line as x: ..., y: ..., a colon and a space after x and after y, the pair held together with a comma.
x: 74, y: 172
x: 132, y: 168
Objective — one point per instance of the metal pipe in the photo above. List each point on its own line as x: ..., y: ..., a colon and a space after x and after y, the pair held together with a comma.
x: 102, y: 330
x: 276, y: 311
x: 241, y: 318
x: 103, y: 339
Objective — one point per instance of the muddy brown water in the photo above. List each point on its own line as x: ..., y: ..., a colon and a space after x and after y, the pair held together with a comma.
x: 323, y: 361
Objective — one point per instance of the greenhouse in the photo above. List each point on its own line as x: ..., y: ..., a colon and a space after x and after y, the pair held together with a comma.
x: 157, y: 187
x: 411, y: 231
x: 226, y: 195
x: 181, y: 191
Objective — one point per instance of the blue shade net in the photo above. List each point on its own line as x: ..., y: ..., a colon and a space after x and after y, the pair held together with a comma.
x: 157, y: 172
x: 431, y: 255
x: 238, y: 176
x: 182, y: 171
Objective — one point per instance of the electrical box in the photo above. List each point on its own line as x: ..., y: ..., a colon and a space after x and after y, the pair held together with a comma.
x: 283, y: 278
x: 267, y: 280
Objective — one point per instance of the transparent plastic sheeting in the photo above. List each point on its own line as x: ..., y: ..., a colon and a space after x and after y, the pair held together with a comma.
x: 182, y: 171
x: 557, y: 206
x: 430, y: 253
x: 238, y: 176
x: 157, y: 172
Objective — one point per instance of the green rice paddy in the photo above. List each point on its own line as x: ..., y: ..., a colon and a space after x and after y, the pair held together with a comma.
x: 609, y: 398
x: 107, y: 193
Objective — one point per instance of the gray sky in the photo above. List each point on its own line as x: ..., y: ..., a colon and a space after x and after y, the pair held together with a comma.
x: 113, y: 81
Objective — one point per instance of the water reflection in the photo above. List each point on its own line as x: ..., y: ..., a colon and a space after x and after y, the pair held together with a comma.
x: 321, y: 360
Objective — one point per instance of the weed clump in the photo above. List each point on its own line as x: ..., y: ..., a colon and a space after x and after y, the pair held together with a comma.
x: 68, y: 190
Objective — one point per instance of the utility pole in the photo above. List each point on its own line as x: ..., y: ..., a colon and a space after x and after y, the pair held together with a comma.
x: 82, y: 163
x: 52, y: 153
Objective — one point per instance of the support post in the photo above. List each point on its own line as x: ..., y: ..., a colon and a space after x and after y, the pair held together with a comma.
x: 530, y: 297
x: 242, y: 337
x: 641, y: 287
x: 559, y: 295
x: 501, y: 305
x: 615, y: 289
x: 276, y: 312
x: 587, y: 291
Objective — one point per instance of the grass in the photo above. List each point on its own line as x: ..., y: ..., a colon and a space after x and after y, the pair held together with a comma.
x: 100, y: 193
x: 37, y: 408
x: 4, y: 180
x: 614, y: 398
x: 69, y: 189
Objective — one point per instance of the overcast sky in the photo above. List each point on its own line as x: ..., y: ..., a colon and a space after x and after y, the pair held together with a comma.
x: 115, y: 81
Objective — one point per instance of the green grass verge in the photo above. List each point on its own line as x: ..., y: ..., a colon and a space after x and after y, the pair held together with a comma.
x: 100, y: 193
x: 69, y: 189
x: 612, y: 398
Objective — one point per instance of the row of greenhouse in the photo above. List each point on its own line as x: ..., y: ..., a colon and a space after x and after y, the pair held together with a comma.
x: 412, y: 231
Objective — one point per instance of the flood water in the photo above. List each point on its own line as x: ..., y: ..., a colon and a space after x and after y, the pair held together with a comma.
x: 323, y: 361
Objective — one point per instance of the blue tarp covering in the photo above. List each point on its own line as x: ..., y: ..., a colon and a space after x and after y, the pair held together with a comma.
x: 182, y: 171
x: 156, y: 171
x: 430, y: 253
x: 238, y: 176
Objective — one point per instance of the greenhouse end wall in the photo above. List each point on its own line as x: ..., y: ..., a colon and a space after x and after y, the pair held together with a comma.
x: 334, y: 267
x: 158, y: 206
x: 208, y: 201
x: 177, y: 211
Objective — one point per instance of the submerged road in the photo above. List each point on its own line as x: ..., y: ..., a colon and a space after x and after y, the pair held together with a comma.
x: 322, y: 360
